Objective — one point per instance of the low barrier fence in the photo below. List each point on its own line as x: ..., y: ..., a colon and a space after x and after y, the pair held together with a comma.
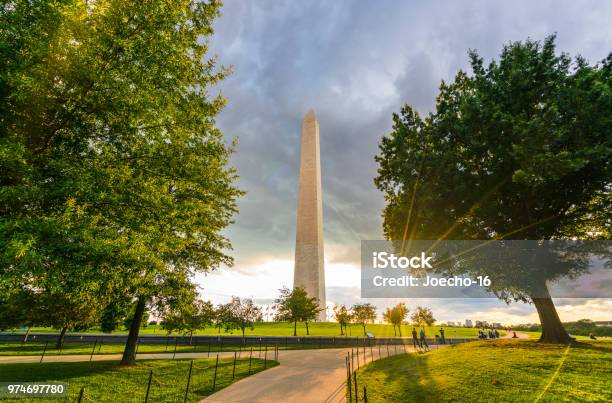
x: 224, y: 342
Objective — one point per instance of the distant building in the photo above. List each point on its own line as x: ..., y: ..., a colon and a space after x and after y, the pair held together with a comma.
x: 496, y: 325
x: 468, y: 323
x: 601, y: 323
x: 450, y: 323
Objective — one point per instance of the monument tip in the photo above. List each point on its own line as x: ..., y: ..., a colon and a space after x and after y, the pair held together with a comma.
x: 310, y: 115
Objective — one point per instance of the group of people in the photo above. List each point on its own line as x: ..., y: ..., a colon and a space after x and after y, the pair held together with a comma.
x: 488, y: 334
x: 420, y: 341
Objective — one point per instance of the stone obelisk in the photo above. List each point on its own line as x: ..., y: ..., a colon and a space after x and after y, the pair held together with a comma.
x: 309, y: 271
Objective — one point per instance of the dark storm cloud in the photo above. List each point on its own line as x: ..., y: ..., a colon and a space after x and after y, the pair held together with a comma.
x: 355, y: 63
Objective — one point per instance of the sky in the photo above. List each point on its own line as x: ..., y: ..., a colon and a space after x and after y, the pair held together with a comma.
x: 355, y: 63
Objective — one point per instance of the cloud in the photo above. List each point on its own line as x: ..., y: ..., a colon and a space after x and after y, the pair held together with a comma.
x: 355, y: 63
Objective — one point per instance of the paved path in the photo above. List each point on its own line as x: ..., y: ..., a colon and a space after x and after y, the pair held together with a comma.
x: 302, y: 376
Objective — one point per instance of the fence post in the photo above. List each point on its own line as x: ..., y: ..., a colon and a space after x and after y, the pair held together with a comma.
x: 365, y: 395
x: 149, y: 386
x: 188, y: 381
x: 371, y: 353
x: 234, y: 367
x: 174, y: 354
x: 215, y: 376
x: 93, y: 350
x: 81, y: 394
x: 356, y: 389
x: 44, y: 351
x: 348, y: 379
x: 357, y: 357
x: 250, y: 358
x: 100, y: 345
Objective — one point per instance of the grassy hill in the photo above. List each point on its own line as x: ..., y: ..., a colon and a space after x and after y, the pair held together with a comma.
x: 503, y: 370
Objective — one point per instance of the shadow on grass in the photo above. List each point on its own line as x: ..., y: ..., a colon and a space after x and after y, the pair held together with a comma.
x: 401, y: 375
x: 58, y: 371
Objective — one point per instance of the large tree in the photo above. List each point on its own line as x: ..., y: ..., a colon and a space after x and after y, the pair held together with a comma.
x: 518, y: 149
x: 113, y: 171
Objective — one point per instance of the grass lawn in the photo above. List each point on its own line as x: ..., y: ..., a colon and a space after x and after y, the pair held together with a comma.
x: 114, y: 348
x: 105, y: 381
x: 327, y: 329
x: 536, y: 335
x: 502, y: 370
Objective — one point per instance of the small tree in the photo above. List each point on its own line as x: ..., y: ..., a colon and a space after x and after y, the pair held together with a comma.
x: 422, y: 317
x: 294, y: 306
x: 342, y: 316
x: 190, y: 318
x: 364, y: 313
x: 310, y: 311
x: 241, y: 314
x: 396, y: 316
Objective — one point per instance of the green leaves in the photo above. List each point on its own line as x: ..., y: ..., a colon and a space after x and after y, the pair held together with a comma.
x: 115, y: 171
x: 510, y: 152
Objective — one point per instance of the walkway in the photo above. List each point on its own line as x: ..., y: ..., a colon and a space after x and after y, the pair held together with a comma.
x: 303, y: 376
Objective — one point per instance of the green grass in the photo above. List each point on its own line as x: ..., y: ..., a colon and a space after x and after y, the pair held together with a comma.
x: 327, y: 329
x: 71, y: 348
x: 105, y: 381
x: 502, y: 370
x: 536, y: 335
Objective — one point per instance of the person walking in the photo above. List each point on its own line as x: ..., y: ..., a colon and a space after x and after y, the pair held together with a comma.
x: 442, y: 339
x: 423, y: 340
x: 415, y: 339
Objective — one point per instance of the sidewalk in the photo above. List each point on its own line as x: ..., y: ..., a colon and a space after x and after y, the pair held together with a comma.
x: 303, y: 376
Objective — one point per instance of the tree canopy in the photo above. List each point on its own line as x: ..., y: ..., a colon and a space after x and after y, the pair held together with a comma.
x: 113, y: 171
x: 363, y: 313
x: 519, y: 149
x: 296, y: 306
x: 422, y: 317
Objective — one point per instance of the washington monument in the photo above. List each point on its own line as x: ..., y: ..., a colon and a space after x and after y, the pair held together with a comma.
x: 309, y: 271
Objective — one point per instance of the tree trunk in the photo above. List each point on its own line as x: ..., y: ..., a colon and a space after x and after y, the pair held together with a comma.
x: 364, y: 330
x: 295, y: 327
x: 399, y: 328
x: 129, y: 353
x: 341, y: 330
x: 25, y: 338
x: 552, y: 328
x: 60, y: 340
x: 190, y: 337
x: 307, y: 332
